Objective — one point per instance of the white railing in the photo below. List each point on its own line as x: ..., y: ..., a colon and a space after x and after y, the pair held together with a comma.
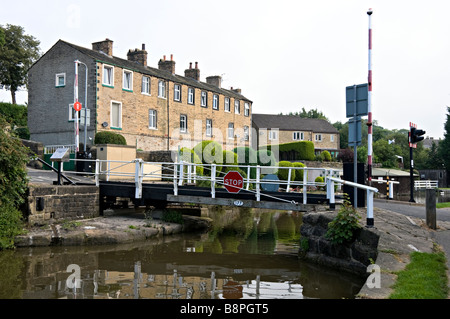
x: 185, y: 172
x: 369, y: 195
x: 425, y: 184
x: 50, y: 149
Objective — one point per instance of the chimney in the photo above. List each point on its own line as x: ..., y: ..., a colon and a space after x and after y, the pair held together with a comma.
x: 215, y: 80
x: 167, y: 65
x: 193, y: 73
x: 138, y: 56
x: 105, y: 46
x: 236, y: 90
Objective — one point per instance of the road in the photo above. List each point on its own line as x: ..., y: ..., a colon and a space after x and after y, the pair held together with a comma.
x: 412, y: 210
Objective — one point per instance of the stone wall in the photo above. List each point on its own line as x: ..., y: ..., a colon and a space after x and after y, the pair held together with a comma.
x: 61, y: 203
x: 352, y: 257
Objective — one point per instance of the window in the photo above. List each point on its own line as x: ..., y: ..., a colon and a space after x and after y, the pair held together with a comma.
x: 162, y: 89
x: 116, y: 115
x: 177, y: 92
x: 108, y: 75
x: 227, y: 104
x: 332, y: 138
x: 237, y: 107
x: 191, y: 95
x: 318, y: 137
x: 145, y: 85
x: 231, y: 130
x: 204, y: 102
x: 246, y: 133
x: 183, y: 123
x: 127, y: 80
x: 273, y: 135
x: 246, y: 109
x: 71, y: 113
x: 152, y: 119
x: 215, y: 102
x: 60, y: 80
x: 298, y: 136
x: 208, y: 127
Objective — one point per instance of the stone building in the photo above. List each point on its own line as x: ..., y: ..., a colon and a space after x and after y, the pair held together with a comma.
x: 153, y: 108
x: 281, y: 129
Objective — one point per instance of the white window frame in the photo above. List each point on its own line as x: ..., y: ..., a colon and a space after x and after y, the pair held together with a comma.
x: 119, y: 127
x: 237, y: 107
x: 153, y: 119
x: 318, y: 137
x: 204, y: 99
x: 230, y: 131
x: 59, y: 76
x: 127, y: 83
x: 177, y: 92
x: 111, y: 84
x: 227, y: 105
x: 298, y: 136
x: 162, y: 89
x: 246, y: 133
x: 246, y: 109
x: 332, y: 138
x: 209, y: 127
x: 146, y: 85
x: 191, y: 95
x: 71, y: 113
x: 183, y: 120
x: 273, y: 135
x: 215, y: 101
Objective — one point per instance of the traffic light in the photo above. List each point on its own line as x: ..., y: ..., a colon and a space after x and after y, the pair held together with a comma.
x: 416, y: 135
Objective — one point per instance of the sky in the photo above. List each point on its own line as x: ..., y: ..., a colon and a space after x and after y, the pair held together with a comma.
x: 284, y: 55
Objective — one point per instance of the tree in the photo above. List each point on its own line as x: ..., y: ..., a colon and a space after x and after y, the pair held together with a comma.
x: 444, y: 145
x: 17, y: 54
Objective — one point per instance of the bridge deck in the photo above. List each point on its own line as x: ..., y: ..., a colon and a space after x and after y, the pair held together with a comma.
x: 164, y: 192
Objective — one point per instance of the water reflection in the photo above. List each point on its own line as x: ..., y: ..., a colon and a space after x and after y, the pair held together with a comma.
x: 248, y: 254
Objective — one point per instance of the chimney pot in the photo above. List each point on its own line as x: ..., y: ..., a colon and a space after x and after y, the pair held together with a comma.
x: 196, y: 65
x: 143, y: 46
x: 190, y: 66
x: 171, y: 57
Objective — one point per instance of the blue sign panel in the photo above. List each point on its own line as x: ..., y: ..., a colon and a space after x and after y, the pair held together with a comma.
x: 357, y: 100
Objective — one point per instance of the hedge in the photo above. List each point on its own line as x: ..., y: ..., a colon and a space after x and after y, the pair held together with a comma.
x: 283, y: 174
x: 106, y: 137
x: 304, y: 149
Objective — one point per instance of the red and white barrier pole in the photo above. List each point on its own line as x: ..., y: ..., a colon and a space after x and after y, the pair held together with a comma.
x: 370, y: 119
x: 77, y: 124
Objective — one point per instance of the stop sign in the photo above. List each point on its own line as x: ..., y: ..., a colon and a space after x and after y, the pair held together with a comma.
x: 233, y: 182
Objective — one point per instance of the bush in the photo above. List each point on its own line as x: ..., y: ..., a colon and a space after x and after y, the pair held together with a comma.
x: 11, y: 225
x: 209, y: 152
x: 188, y: 155
x: 266, y: 158
x: 326, y: 156
x: 299, y: 172
x: 246, y: 155
x: 304, y: 150
x: 342, y: 229
x: 107, y: 137
x: 283, y: 174
x: 228, y: 158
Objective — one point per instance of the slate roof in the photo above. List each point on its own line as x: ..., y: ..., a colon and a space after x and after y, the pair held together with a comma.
x: 293, y: 123
x: 155, y: 72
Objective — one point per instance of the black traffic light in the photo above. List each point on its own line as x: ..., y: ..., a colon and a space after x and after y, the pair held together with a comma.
x: 416, y: 135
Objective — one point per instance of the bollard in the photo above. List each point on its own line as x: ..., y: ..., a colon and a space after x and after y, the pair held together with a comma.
x: 430, y: 204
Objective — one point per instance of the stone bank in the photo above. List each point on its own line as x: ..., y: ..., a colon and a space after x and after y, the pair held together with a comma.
x: 352, y: 257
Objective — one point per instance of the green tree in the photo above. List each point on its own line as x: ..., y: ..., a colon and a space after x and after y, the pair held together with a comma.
x: 444, y: 145
x: 17, y: 54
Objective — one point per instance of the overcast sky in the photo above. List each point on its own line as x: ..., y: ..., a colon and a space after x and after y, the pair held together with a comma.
x: 283, y: 54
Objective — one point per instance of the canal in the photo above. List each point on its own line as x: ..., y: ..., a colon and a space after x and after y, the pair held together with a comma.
x: 248, y: 254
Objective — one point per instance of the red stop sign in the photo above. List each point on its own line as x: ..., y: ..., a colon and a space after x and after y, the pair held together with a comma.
x: 233, y: 182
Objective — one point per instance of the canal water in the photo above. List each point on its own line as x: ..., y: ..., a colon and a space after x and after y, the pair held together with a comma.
x: 248, y: 254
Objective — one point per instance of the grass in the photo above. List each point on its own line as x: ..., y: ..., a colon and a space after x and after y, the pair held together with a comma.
x: 424, y: 277
x: 442, y: 205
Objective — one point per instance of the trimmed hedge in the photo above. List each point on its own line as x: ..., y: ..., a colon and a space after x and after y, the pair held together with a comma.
x: 304, y: 150
x: 107, y: 137
x: 298, y: 172
x: 283, y: 174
